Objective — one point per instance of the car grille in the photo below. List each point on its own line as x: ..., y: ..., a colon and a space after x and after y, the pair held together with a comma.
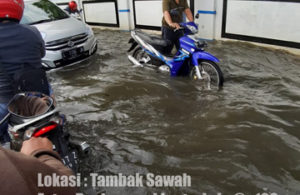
x: 66, y: 42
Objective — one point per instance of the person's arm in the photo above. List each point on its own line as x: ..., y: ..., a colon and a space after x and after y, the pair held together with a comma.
x: 40, y: 39
x: 189, y: 14
x: 43, y: 48
x: 53, y: 162
x: 168, y: 19
x: 167, y: 16
x: 20, y: 171
x: 42, y: 149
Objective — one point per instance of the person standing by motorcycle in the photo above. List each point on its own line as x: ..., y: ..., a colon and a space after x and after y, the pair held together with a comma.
x: 21, y: 50
x: 173, y: 15
x: 72, y: 8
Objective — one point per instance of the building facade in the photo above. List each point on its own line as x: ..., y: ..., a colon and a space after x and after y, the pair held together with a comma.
x: 274, y: 22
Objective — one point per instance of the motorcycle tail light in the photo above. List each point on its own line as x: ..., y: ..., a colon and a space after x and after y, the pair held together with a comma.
x: 45, y: 129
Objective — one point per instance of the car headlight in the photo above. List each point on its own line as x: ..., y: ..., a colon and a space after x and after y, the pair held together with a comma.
x: 89, y: 31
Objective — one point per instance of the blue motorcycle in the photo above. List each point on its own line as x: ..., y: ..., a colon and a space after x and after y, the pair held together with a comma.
x: 190, y: 60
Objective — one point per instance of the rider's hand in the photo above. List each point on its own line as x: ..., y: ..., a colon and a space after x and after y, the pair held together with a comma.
x: 34, y: 144
x: 175, y: 25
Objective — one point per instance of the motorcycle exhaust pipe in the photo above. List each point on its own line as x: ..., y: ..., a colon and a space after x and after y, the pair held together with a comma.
x: 82, y: 146
x: 134, y: 61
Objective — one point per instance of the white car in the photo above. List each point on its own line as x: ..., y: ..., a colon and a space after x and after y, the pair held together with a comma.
x: 68, y: 41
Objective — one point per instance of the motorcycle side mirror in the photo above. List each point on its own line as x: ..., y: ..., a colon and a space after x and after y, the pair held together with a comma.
x: 197, y: 16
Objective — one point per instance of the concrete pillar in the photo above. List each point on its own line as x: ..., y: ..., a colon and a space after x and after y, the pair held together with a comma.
x: 124, y: 14
x: 219, y: 19
x: 207, y: 18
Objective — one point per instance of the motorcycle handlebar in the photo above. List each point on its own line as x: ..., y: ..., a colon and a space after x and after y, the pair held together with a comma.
x: 181, y: 28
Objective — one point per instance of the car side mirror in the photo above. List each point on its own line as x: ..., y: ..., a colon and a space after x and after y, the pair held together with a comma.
x: 197, y: 16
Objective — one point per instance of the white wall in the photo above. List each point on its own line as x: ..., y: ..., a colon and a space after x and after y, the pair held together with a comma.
x: 148, y: 13
x: 207, y: 19
x: 266, y: 19
x: 277, y: 20
x: 219, y: 16
x: 124, y: 14
x: 100, y: 12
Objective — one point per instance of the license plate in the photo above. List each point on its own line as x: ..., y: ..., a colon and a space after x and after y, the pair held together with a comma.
x: 73, y: 53
x: 71, y: 160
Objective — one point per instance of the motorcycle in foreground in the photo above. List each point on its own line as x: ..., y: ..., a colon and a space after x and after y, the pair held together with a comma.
x: 190, y: 60
x: 34, y: 114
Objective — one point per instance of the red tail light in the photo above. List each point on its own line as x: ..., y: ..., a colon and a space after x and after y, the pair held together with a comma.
x: 44, y: 130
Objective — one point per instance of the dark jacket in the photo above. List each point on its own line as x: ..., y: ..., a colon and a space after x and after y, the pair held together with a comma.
x: 19, y: 172
x: 20, y: 46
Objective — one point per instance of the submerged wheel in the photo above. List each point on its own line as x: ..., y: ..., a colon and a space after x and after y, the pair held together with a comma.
x: 211, y: 74
x: 142, y: 56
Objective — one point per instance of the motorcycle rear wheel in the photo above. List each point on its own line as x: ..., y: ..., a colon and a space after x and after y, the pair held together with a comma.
x: 141, y: 56
x: 144, y: 58
x: 211, y: 74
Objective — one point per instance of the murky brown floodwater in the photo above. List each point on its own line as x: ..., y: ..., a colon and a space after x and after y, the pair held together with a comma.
x: 245, y: 138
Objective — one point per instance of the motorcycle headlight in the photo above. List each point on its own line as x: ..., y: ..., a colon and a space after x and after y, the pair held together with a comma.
x: 201, y: 44
x: 193, y: 29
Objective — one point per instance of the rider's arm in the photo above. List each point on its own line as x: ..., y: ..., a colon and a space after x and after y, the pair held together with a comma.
x: 168, y: 19
x: 189, y: 14
x: 29, y: 172
x: 52, y: 161
x: 43, y: 49
x: 167, y: 16
x: 42, y: 149
x: 40, y: 40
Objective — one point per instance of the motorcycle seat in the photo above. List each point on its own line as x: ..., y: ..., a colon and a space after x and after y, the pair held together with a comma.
x: 152, y: 39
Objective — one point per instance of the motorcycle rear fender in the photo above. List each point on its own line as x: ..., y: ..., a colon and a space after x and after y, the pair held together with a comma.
x: 203, y: 56
x: 134, y: 44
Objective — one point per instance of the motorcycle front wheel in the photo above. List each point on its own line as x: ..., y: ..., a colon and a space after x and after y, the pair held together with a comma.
x: 212, y: 76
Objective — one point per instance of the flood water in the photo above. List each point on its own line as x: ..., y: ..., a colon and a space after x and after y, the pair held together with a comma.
x: 244, y: 138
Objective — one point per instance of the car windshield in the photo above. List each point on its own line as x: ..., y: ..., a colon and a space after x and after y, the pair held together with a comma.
x: 41, y: 11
